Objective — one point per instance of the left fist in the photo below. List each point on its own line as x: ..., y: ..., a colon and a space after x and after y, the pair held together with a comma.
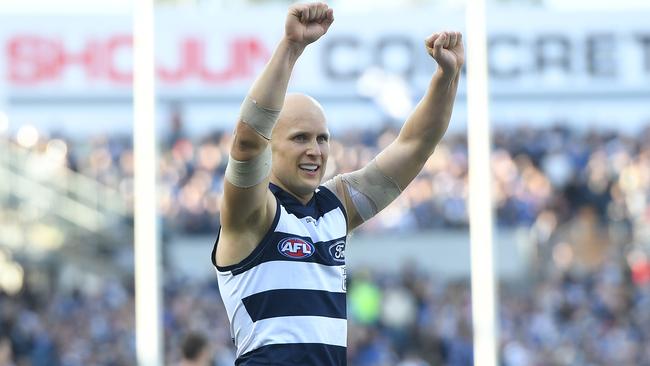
x: 448, y: 51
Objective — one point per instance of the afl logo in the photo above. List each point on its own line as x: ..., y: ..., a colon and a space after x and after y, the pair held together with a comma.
x: 296, y: 248
x: 337, y: 251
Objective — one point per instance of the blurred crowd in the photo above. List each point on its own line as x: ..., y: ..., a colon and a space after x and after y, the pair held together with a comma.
x: 554, y: 171
x: 407, y: 318
x: 599, y: 317
x: 583, y: 197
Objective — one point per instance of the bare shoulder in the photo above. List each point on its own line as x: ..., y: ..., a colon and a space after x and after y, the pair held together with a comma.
x: 237, y: 242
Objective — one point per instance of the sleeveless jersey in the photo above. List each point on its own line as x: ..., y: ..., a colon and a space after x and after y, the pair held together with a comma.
x: 286, y: 301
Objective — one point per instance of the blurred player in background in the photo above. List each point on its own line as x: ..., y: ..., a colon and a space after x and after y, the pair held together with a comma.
x: 280, y: 253
x: 195, y: 350
x: 6, y: 354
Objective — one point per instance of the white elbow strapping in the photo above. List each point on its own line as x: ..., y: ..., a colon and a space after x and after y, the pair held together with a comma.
x: 244, y: 174
x: 370, y: 190
x: 259, y: 118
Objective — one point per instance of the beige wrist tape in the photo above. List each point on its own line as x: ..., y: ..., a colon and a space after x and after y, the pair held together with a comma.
x: 370, y: 190
x: 259, y: 118
x: 244, y: 174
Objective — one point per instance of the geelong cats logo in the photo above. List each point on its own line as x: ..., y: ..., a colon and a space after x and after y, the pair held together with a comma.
x: 337, y: 251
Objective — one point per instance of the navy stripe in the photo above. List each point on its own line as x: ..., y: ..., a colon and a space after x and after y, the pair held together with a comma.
x: 323, y: 252
x: 291, y: 302
x: 333, y: 198
x: 321, y: 203
x: 303, y: 354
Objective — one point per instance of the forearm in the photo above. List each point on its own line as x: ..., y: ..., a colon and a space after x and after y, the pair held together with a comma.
x: 305, y: 24
x: 404, y: 158
x: 430, y: 119
x: 270, y: 87
x: 268, y: 91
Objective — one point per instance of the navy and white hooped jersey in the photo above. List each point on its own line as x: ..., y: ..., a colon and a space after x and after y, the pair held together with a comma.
x: 286, y: 301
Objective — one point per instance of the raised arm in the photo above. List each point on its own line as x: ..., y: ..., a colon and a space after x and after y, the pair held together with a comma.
x: 403, y: 159
x: 369, y: 190
x: 248, y: 206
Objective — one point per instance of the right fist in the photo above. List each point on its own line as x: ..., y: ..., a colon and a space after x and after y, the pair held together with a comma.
x: 307, y: 22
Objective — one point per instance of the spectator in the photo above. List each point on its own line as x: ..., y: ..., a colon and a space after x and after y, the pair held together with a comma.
x: 6, y: 355
x: 195, y: 350
x: 577, y: 309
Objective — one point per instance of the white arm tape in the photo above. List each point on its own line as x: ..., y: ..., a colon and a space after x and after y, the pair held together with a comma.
x: 369, y: 189
x: 244, y: 174
x: 259, y: 118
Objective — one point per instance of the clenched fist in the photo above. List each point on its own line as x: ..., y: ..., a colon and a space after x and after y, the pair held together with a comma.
x: 448, y: 51
x: 307, y: 22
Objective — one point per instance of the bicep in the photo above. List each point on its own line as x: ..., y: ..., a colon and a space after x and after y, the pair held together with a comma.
x: 340, y: 189
x: 365, y: 193
x: 246, y: 194
x: 403, y: 160
x: 242, y: 206
x: 241, y: 234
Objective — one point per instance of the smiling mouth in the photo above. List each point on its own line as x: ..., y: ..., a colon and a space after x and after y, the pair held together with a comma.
x: 311, y: 168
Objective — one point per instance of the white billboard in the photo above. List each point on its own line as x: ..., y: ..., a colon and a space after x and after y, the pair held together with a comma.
x: 543, y: 66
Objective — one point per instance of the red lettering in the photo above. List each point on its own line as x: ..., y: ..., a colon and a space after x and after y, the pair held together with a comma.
x: 258, y: 55
x: 114, y: 45
x: 188, y: 56
x: 87, y: 58
x: 32, y: 59
x: 244, y: 54
x: 35, y: 59
x: 218, y: 77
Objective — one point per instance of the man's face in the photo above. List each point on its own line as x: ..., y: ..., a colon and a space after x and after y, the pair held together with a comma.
x: 300, y: 145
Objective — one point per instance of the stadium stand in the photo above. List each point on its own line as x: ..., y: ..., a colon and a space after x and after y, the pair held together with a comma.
x: 583, y: 195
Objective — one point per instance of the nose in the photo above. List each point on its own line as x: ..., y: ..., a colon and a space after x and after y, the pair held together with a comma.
x: 314, y: 149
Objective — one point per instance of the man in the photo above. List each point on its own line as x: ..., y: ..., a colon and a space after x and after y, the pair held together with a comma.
x: 195, y: 350
x: 280, y: 251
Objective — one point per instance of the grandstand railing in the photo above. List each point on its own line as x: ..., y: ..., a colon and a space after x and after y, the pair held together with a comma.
x: 42, y: 182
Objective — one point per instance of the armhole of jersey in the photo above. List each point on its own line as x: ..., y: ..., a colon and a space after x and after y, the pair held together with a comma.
x: 336, y: 199
x: 248, y: 261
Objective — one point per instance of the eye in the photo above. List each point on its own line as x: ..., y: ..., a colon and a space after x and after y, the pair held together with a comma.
x: 323, y: 138
x: 300, y: 137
